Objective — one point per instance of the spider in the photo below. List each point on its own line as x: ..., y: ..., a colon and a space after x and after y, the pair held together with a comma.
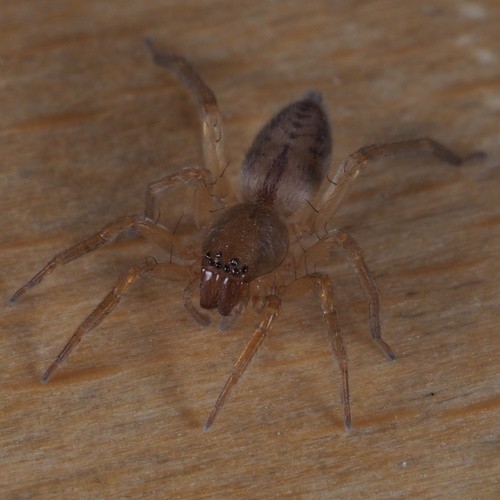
x: 259, y: 247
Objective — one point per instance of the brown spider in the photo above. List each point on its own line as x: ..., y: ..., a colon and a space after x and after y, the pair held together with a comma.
x: 246, y: 252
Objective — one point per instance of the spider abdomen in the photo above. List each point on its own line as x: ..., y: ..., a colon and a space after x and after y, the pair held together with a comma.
x: 289, y: 157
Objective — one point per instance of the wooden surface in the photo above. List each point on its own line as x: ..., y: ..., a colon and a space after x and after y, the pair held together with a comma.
x: 87, y: 121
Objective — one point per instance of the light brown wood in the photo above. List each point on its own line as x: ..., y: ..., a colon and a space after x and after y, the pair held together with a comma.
x: 87, y: 121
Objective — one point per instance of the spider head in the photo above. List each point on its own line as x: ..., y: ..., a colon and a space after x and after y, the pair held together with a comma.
x: 247, y: 241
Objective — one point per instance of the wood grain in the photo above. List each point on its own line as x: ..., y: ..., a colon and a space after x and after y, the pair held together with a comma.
x: 87, y: 121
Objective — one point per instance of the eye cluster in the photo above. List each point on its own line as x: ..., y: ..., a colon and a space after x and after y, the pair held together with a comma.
x: 228, y: 267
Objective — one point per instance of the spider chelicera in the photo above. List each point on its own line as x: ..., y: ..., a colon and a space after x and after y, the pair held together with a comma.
x: 259, y: 247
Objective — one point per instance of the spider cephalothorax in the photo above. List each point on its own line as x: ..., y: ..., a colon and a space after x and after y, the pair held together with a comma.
x: 247, y: 241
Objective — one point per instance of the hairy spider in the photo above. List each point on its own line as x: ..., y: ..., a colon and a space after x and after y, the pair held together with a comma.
x: 261, y: 246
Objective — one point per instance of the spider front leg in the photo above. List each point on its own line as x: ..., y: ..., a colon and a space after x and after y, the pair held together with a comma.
x: 322, y: 285
x: 200, y: 317
x: 203, y: 195
x: 271, y: 309
x: 213, y: 134
x: 149, y: 268
x: 337, y: 186
x: 322, y: 250
x: 141, y: 226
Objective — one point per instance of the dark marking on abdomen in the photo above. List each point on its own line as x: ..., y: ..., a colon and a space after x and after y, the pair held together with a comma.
x: 267, y: 194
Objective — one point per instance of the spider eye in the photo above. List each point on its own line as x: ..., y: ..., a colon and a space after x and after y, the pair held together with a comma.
x: 232, y: 267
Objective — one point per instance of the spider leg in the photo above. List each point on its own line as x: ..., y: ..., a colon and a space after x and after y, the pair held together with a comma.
x: 201, y: 318
x: 149, y: 268
x: 324, y: 247
x: 323, y: 287
x: 138, y: 223
x: 213, y: 135
x: 271, y: 311
x: 227, y: 322
x: 202, y: 201
x: 337, y: 186
x: 324, y: 290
